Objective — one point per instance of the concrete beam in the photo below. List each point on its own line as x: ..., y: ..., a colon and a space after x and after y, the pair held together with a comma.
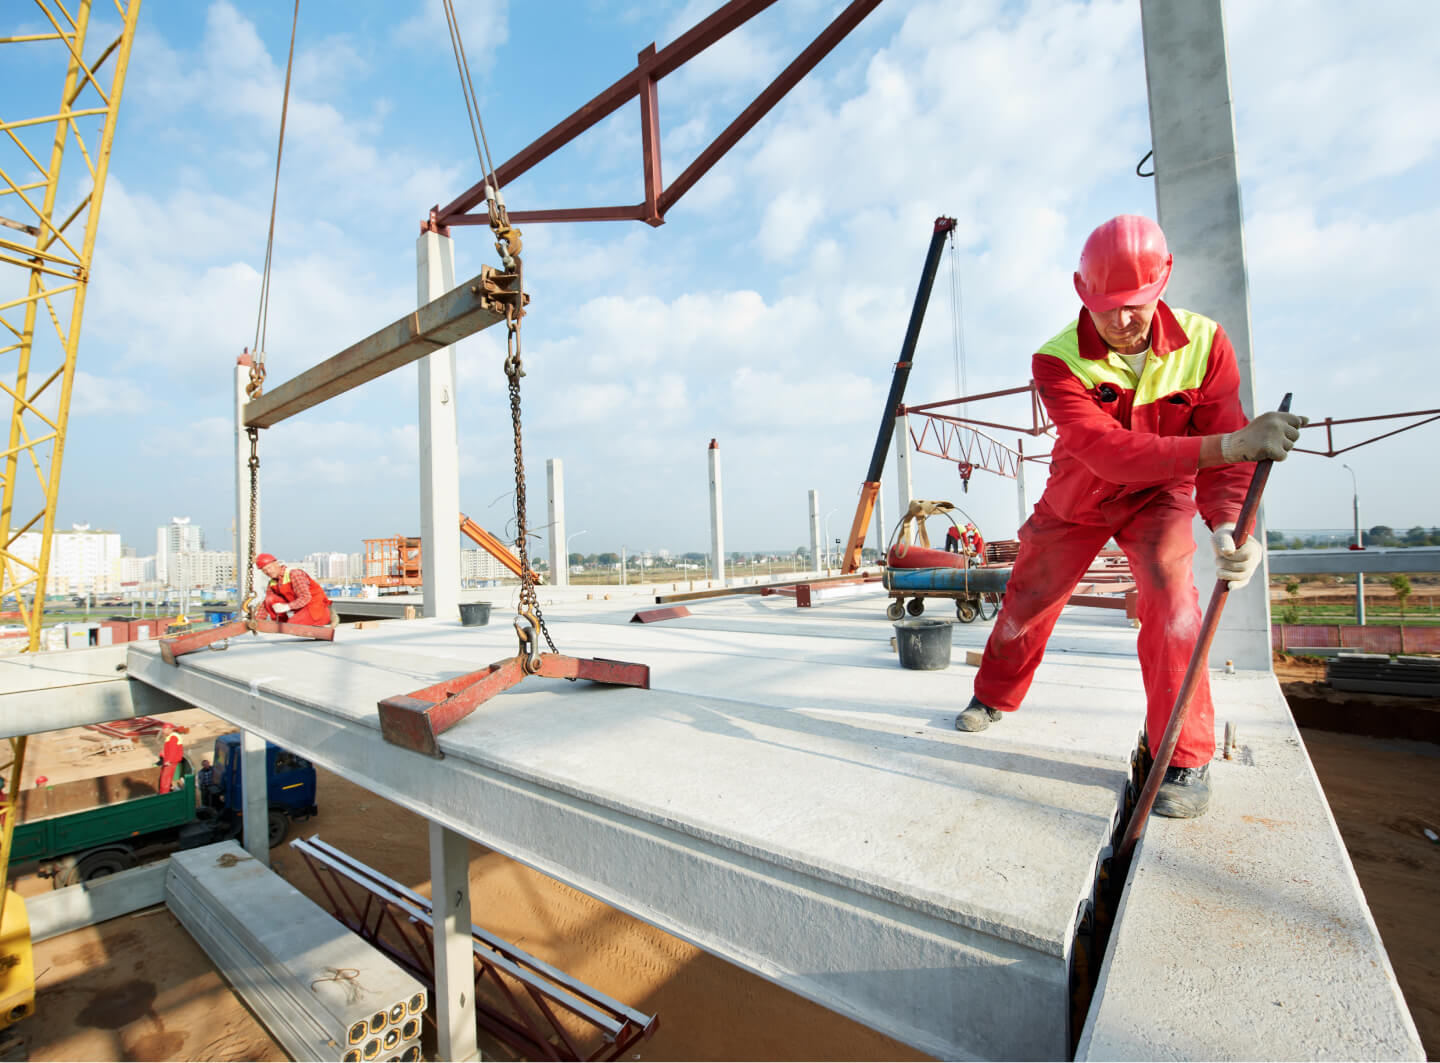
x: 717, y: 514
x: 63, y: 910
x: 458, y: 313
x: 555, y: 499
x: 1244, y: 934
x: 71, y: 688
x: 1373, y: 559
x: 1197, y: 197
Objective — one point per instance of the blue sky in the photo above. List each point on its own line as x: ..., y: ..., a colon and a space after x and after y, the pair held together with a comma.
x: 768, y: 311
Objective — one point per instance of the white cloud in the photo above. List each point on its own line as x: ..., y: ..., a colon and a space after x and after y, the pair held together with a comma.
x: 94, y: 396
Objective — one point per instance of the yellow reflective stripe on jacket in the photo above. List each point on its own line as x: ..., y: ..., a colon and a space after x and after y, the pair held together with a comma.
x: 1180, y: 370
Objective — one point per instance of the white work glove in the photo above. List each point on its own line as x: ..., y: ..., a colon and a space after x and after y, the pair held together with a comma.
x: 1267, y: 438
x: 1235, y: 563
x: 284, y: 607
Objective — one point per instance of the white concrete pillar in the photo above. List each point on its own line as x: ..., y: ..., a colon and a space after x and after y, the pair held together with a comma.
x: 1024, y: 506
x: 904, y: 487
x: 717, y: 514
x: 559, y: 551
x: 815, y: 531
x: 242, y: 485
x: 255, y: 791
x: 1197, y: 198
x: 454, y: 962
x: 439, y: 447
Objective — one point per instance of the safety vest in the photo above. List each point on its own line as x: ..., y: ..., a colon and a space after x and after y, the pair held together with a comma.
x: 1171, y: 379
x: 316, y: 613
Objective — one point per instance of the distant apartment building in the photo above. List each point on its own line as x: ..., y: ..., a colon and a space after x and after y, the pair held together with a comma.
x: 177, y: 537
x: 355, y: 567
x: 131, y: 571
x: 327, y: 566
x: 476, y: 565
x: 82, y: 561
x: 204, y: 569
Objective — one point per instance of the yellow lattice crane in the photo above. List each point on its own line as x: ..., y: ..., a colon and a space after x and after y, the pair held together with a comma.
x: 47, y: 236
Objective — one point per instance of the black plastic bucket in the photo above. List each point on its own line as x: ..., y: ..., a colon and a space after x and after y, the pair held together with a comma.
x: 474, y: 614
x: 923, y: 643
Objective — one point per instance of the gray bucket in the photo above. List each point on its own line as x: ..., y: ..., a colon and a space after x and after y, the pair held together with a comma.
x: 474, y: 614
x: 923, y: 643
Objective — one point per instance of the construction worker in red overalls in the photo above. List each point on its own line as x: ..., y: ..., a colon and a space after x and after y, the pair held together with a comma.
x: 292, y: 596
x: 1145, y: 398
x: 974, y: 544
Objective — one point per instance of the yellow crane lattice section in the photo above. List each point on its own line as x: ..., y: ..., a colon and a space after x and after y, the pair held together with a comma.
x: 47, y: 237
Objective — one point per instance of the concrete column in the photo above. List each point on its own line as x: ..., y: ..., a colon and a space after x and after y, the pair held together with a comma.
x: 904, y: 488
x: 815, y: 531
x: 454, y: 965
x: 559, y: 551
x: 439, y: 447
x: 717, y: 515
x: 255, y: 791
x: 242, y: 483
x: 1197, y: 198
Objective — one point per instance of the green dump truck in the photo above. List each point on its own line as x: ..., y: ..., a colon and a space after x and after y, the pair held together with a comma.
x: 85, y: 829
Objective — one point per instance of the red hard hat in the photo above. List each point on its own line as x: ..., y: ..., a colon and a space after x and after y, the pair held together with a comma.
x: 1124, y: 263
x: 264, y: 559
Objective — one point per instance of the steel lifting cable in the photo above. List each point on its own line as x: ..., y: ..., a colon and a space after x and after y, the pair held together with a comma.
x: 262, y: 324
x: 957, y: 320
x: 528, y: 619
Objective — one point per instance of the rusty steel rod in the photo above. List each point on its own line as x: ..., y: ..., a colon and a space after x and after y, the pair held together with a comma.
x: 1196, y: 669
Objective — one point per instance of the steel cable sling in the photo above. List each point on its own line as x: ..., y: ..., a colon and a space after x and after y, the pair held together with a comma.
x: 416, y: 720
x: 218, y: 638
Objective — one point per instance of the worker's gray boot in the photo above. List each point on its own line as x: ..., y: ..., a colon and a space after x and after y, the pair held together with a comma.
x: 976, y: 716
x: 1184, y: 793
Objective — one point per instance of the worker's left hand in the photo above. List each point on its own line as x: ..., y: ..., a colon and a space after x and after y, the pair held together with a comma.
x: 284, y: 607
x: 1235, y: 563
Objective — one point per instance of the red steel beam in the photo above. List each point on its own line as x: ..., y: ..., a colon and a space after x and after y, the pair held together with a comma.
x: 651, y: 66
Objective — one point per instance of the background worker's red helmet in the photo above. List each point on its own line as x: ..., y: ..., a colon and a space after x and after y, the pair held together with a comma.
x: 264, y: 559
x: 1124, y: 263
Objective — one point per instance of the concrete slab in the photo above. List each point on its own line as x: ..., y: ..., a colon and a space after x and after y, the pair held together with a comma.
x: 786, y: 796
x: 61, y: 911
x: 70, y: 688
x: 1245, y: 935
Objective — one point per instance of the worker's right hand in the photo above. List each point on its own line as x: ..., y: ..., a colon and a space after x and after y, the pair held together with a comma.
x: 1267, y: 438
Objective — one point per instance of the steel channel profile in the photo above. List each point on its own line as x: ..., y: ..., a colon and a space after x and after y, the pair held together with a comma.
x: 618, y: 1025
x: 233, y: 919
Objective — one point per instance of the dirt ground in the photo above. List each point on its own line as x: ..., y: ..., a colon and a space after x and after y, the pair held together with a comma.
x: 139, y: 988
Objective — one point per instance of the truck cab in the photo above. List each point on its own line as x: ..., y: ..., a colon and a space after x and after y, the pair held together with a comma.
x: 290, y: 790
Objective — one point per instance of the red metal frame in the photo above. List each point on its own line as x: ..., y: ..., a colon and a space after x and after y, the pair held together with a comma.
x: 179, y: 645
x: 517, y: 995
x: 416, y: 720
x: 1329, y: 423
x: 651, y: 66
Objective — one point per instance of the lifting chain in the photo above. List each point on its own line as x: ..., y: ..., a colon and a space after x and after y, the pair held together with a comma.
x: 247, y: 607
x: 528, y: 619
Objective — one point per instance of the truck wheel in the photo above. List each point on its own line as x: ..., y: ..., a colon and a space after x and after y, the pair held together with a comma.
x: 279, y: 827
x: 99, y: 865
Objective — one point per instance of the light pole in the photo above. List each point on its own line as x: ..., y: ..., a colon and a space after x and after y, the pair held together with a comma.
x: 567, y: 552
x: 1359, y: 545
x: 827, y: 540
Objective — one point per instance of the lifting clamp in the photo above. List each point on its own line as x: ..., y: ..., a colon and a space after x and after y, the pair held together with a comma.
x: 179, y: 645
x: 416, y: 720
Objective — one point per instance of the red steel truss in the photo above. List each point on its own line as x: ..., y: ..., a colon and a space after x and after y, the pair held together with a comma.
x: 643, y: 82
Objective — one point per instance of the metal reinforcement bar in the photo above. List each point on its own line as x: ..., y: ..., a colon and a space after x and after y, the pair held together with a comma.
x: 534, y: 1008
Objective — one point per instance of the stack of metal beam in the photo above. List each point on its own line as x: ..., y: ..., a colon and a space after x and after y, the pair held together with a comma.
x: 321, y: 991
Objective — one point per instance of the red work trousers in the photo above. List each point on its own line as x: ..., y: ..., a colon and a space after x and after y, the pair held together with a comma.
x: 1054, y: 555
